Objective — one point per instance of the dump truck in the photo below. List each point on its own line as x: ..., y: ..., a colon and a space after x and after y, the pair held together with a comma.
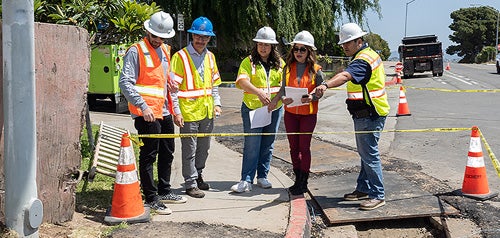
x: 420, y: 54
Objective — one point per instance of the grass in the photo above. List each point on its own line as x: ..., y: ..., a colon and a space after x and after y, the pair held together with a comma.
x: 92, y: 196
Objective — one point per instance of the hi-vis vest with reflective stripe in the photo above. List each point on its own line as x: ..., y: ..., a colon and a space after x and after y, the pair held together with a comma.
x: 376, y: 84
x: 151, y: 80
x: 307, y: 81
x: 195, y: 93
x: 256, y: 74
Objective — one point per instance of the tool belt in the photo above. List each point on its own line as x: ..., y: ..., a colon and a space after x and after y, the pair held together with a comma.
x: 359, y: 109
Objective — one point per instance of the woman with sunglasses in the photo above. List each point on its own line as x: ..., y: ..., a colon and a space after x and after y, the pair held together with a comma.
x: 301, y: 71
x: 259, y: 76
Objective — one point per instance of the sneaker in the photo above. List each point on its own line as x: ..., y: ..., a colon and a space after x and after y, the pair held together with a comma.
x: 195, y: 192
x: 159, y: 208
x: 371, y: 204
x: 201, y: 184
x: 264, y: 183
x: 242, y: 186
x: 355, y: 196
x: 172, y: 198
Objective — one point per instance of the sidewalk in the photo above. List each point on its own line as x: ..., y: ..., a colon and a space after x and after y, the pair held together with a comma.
x: 261, y: 209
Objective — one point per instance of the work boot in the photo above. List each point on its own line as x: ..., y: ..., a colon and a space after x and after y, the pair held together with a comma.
x: 303, y: 181
x: 295, y: 184
x: 201, y: 183
x: 296, y: 189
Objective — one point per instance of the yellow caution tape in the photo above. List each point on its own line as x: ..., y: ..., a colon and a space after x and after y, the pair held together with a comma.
x: 492, y: 156
x: 458, y: 90
x: 294, y: 133
x: 494, y: 160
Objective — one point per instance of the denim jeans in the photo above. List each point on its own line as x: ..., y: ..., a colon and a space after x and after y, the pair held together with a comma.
x: 370, y: 179
x: 258, y: 150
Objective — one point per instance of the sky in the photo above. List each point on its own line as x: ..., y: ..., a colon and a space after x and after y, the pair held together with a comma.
x: 425, y: 17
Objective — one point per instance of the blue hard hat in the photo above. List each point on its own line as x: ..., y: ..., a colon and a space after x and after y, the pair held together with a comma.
x: 202, y: 26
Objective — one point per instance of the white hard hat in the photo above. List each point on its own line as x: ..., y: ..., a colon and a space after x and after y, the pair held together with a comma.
x: 305, y: 38
x: 160, y: 24
x: 349, y: 32
x: 266, y: 35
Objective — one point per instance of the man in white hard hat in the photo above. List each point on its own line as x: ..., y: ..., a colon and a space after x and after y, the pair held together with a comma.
x: 368, y: 105
x: 144, y: 81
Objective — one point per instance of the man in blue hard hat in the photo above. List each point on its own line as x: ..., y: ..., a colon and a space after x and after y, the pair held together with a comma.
x: 197, y: 75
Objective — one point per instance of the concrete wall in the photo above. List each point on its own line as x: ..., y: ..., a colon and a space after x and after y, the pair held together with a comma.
x: 62, y: 62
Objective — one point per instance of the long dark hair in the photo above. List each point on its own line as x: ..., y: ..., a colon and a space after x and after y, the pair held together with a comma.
x: 274, y: 59
x: 310, y: 59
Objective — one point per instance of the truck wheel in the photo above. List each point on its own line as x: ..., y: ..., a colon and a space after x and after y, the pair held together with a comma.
x: 91, y: 100
x: 440, y: 74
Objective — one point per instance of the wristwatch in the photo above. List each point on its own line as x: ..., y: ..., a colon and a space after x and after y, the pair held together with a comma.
x: 324, y: 83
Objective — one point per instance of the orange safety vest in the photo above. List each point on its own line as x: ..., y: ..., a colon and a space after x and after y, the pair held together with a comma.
x: 307, y: 81
x: 151, y: 81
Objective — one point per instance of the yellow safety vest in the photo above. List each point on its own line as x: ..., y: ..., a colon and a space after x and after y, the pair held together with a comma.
x: 195, y: 93
x: 256, y: 74
x: 376, y: 84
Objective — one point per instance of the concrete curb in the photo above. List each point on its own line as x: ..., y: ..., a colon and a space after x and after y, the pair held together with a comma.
x: 299, y: 223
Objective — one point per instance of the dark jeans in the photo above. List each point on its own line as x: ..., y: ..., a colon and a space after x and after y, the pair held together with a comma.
x: 163, y: 148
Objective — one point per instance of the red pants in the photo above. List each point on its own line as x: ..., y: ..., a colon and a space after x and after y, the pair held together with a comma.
x: 300, y: 145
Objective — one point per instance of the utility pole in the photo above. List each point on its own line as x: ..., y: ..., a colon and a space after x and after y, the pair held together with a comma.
x: 406, y: 13
x: 23, y: 210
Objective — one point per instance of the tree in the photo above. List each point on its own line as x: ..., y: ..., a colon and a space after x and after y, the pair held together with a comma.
x: 379, y: 45
x: 474, y: 28
x: 236, y: 22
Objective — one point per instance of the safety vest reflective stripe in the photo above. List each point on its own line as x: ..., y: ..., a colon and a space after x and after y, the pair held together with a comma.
x: 147, y: 55
x: 194, y: 93
x: 271, y: 89
x: 359, y: 95
x: 149, y: 91
x: 187, y: 70
x: 242, y: 76
x: 374, y: 63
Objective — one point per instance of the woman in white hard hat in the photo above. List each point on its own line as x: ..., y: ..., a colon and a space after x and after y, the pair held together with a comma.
x: 368, y: 105
x: 259, y: 76
x: 301, y: 71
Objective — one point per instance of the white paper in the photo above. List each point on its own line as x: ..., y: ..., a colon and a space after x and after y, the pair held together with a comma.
x: 296, y: 94
x: 260, y: 117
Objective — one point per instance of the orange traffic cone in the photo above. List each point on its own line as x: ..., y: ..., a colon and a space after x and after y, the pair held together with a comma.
x: 447, y: 66
x: 475, y: 184
x: 126, y: 205
x: 398, y: 78
x: 403, y: 109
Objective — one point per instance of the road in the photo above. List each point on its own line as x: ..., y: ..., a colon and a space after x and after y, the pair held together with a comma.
x: 443, y: 155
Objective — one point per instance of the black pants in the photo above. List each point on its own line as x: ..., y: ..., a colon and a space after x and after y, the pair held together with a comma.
x: 163, y: 148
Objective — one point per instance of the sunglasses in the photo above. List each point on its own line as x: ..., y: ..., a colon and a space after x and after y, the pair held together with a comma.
x: 301, y: 49
x: 155, y: 36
